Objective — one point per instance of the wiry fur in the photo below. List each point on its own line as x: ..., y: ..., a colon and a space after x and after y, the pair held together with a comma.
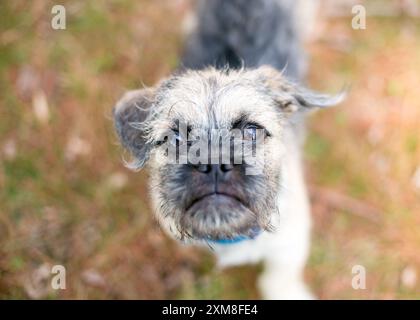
x: 255, y: 32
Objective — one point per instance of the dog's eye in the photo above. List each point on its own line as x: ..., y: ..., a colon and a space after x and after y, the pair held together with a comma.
x: 253, y: 131
x: 250, y: 132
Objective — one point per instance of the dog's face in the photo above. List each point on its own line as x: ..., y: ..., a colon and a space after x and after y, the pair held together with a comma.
x: 215, y: 199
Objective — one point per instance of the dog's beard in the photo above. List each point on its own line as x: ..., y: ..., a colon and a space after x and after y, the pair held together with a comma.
x: 241, y: 207
x: 219, y: 216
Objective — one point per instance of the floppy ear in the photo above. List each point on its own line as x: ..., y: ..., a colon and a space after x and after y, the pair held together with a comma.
x: 130, y: 115
x: 306, y: 99
x: 292, y: 97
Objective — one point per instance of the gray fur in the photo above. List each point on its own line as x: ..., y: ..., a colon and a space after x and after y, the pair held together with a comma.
x: 209, y: 99
x: 259, y: 32
x: 246, y: 33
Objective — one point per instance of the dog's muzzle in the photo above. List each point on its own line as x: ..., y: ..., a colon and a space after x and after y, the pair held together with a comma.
x: 218, y: 210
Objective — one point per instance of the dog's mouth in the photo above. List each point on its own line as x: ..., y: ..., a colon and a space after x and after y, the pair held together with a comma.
x: 214, y: 196
x: 219, y: 216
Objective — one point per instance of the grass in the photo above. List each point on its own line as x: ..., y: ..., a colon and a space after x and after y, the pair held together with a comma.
x: 65, y: 197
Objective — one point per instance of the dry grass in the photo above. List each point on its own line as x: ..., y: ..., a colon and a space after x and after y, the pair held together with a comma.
x: 65, y: 197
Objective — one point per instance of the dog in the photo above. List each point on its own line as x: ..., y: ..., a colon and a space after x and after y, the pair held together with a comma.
x: 240, y: 72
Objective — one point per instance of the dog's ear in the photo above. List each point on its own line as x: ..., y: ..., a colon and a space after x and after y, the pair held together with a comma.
x: 292, y: 97
x: 130, y: 115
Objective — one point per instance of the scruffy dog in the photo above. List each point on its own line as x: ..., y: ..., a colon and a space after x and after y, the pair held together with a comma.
x: 239, y: 74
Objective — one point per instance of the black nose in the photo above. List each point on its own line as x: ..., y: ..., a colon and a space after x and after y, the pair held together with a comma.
x: 213, y: 168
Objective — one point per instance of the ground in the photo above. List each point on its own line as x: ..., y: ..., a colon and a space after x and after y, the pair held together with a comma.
x: 66, y: 198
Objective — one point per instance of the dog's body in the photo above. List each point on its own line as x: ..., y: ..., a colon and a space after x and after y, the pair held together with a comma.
x: 258, y: 33
x: 246, y: 219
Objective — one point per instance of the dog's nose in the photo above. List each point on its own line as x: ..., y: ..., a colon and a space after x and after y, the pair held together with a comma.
x: 214, y: 168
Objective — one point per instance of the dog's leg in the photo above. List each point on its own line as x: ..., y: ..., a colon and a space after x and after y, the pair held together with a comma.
x: 285, y: 258
x: 283, y: 274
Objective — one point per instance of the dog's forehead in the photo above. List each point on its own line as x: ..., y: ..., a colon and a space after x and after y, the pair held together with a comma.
x: 218, y: 99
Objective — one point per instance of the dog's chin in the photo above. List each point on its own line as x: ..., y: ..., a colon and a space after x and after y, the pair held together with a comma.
x: 218, y: 217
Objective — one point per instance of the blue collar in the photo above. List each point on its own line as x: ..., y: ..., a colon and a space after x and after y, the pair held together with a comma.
x: 237, y: 239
